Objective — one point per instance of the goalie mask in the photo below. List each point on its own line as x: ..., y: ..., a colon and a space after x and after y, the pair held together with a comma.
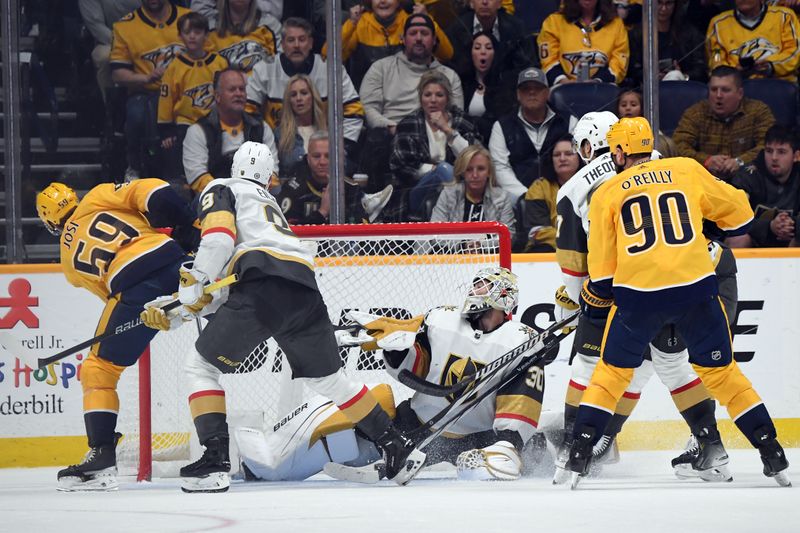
x: 253, y: 161
x: 592, y: 128
x: 492, y: 288
x: 54, y: 205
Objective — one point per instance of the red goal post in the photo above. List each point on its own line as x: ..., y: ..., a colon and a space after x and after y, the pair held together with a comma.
x: 395, y: 269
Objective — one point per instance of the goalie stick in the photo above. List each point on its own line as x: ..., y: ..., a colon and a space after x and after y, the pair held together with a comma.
x: 418, y: 383
x: 372, y: 473
x: 8, y: 341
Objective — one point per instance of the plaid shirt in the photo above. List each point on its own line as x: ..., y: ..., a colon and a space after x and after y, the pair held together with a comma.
x: 410, y: 148
x: 700, y: 134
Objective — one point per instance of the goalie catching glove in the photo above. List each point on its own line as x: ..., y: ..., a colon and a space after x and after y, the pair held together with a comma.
x: 501, y: 461
x: 190, y: 291
x: 155, y: 317
x: 382, y: 332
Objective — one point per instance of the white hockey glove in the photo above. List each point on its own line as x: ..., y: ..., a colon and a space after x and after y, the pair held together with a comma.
x: 155, y: 317
x: 564, y: 307
x: 501, y: 461
x: 190, y: 291
x: 388, y: 333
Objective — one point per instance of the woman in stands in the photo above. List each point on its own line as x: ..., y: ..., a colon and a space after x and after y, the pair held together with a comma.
x: 427, y: 141
x: 242, y: 35
x: 681, y: 51
x: 485, y: 96
x: 584, y: 41
x: 629, y: 105
x: 539, y: 214
x: 373, y: 32
x: 474, y: 197
x: 302, y: 114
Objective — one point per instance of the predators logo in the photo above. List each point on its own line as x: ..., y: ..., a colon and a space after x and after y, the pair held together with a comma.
x: 162, y: 56
x: 201, y: 96
x: 244, y: 54
x: 593, y: 58
x: 758, y: 48
x: 457, y: 368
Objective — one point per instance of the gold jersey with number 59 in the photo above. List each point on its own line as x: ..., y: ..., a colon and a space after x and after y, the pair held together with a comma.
x: 646, y: 230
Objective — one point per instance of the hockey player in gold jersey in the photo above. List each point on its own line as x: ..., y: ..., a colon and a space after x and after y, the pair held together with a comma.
x: 649, y: 265
x: 109, y: 246
x: 760, y: 39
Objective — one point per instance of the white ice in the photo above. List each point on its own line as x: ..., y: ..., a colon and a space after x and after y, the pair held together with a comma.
x: 638, y: 494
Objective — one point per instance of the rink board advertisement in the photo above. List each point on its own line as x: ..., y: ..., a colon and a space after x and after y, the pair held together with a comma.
x: 41, y: 421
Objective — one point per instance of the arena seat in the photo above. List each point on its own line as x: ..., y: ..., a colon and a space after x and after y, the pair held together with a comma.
x: 779, y: 95
x: 674, y: 97
x: 580, y: 98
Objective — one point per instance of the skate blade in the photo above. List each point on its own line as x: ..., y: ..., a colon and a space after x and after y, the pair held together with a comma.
x: 413, y: 465
x: 716, y: 475
x: 369, y: 474
x: 782, y: 479
x: 100, y: 483
x: 216, y: 482
x: 685, y: 471
x: 561, y: 476
x: 575, y: 478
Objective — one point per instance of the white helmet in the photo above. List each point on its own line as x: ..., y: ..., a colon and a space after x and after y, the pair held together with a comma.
x: 593, y: 127
x: 253, y: 161
x: 492, y: 288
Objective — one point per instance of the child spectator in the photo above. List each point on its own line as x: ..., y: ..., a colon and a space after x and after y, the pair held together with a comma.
x: 629, y: 105
x: 241, y: 36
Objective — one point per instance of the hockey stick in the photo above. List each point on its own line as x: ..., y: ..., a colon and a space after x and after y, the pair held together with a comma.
x: 7, y: 340
x: 417, y: 383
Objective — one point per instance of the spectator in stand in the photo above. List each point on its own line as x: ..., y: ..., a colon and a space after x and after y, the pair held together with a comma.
x: 474, y: 197
x: 519, y: 138
x: 772, y: 184
x: 680, y: 46
x: 429, y: 140
x: 585, y: 40
x: 268, y: 81
x: 515, y: 50
x: 270, y: 15
x: 374, y: 30
x: 539, y: 219
x: 242, y: 35
x: 727, y: 130
x: 99, y: 16
x: 302, y: 114
x: 629, y: 105
x: 486, y: 97
x: 187, y: 91
x: 389, y: 92
x: 758, y: 39
x: 145, y: 41
x: 210, y: 143
x: 304, y: 198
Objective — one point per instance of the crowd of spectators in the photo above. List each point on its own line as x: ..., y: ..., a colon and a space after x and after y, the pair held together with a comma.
x: 446, y: 116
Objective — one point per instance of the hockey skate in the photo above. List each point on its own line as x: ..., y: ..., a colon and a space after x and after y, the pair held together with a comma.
x: 705, y: 457
x: 775, y: 464
x: 210, y: 472
x: 97, y: 471
x: 562, y: 455
x: 605, y: 452
x: 403, y: 460
x: 580, y: 455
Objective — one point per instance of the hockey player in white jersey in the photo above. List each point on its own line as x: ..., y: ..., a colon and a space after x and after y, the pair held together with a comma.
x: 442, y: 346
x: 244, y: 232
x: 668, y: 356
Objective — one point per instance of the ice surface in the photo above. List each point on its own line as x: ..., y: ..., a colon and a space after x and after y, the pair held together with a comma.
x: 639, y: 494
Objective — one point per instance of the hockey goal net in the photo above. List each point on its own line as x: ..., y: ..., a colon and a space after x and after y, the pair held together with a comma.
x: 401, y: 270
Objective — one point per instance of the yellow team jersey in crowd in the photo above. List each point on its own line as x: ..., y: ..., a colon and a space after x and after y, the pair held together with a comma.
x: 142, y: 44
x: 187, y: 89
x: 646, y: 226
x: 108, y: 238
x: 774, y: 39
x: 244, y: 51
x: 564, y: 45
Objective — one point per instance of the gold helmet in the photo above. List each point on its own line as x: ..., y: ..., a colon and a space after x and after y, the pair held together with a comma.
x: 633, y: 135
x: 54, y: 204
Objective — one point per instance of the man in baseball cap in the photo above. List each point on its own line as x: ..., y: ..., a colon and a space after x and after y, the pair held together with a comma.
x: 532, y: 74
